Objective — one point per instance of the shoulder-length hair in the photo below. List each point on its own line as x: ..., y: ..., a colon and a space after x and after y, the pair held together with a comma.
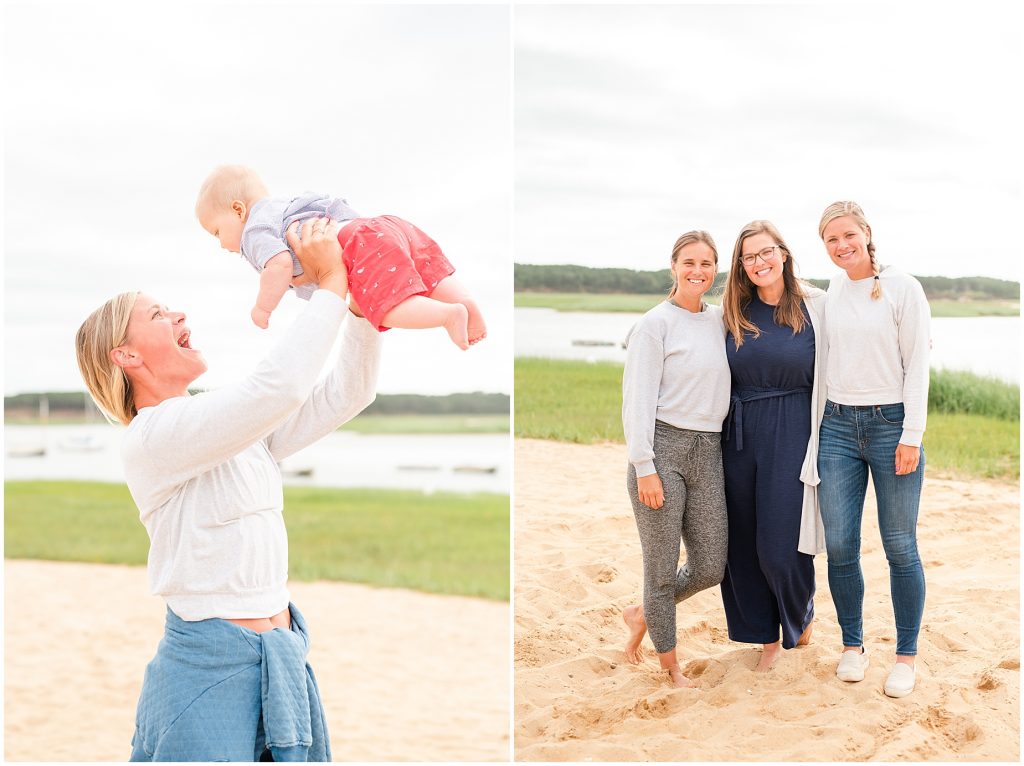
x: 739, y: 290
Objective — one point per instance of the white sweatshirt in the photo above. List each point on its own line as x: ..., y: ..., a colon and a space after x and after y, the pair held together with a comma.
x: 878, y: 349
x: 203, y: 469
x: 676, y: 372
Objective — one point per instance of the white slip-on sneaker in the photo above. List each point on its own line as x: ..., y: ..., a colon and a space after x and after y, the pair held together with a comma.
x: 901, y: 680
x: 852, y: 665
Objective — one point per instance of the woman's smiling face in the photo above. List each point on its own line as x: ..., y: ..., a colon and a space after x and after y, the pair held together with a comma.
x: 847, y: 245
x: 765, y: 270
x: 694, y: 269
x: 158, y: 339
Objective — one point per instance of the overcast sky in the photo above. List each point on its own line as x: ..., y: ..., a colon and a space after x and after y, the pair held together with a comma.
x: 115, y: 113
x: 635, y: 124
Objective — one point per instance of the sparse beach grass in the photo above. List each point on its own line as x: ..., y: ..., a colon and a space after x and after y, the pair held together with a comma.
x: 441, y: 543
x: 973, y: 422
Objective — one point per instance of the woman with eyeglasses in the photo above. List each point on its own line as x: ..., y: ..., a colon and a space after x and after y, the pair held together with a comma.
x: 874, y: 421
x: 775, y: 346
x: 675, y: 394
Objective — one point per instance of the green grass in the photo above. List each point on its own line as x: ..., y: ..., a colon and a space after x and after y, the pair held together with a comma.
x: 441, y: 543
x: 568, y: 400
x: 964, y: 445
x: 974, y: 308
x: 429, y: 424
x: 954, y: 391
x: 628, y: 302
x: 639, y: 303
x: 973, y: 422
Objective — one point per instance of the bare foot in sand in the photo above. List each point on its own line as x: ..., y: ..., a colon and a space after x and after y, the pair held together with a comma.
x: 805, y: 637
x: 633, y: 616
x: 679, y: 681
x: 456, y: 325
x: 670, y: 662
x: 769, y: 654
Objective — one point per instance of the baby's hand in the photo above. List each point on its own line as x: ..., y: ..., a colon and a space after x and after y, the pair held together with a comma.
x: 260, y: 317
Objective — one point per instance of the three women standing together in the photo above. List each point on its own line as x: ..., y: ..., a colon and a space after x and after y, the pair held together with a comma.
x: 812, y: 391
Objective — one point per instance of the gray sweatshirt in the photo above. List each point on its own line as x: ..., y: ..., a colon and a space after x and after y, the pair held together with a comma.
x: 203, y: 469
x: 878, y: 349
x: 676, y: 372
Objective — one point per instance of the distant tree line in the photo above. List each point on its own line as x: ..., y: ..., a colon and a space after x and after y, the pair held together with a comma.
x: 476, y: 403
x: 569, y: 278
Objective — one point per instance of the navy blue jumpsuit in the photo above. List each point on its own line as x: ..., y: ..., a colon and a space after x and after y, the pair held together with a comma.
x: 768, y: 582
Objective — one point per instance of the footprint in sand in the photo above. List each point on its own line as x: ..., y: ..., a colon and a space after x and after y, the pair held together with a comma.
x: 600, y: 572
x: 987, y: 681
x: 960, y: 732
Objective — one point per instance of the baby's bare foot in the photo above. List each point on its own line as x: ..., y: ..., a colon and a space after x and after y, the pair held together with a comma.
x: 260, y: 318
x: 477, y: 329
x: 456, y: 325
x: 633, y: 616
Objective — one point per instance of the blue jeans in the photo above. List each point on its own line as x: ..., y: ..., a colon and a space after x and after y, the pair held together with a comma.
x: 854, y: 439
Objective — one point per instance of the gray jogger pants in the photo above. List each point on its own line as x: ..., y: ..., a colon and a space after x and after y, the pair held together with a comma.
x: 689, y: 464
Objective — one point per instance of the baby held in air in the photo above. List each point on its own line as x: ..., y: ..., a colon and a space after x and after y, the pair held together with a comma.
x: 398, y: 276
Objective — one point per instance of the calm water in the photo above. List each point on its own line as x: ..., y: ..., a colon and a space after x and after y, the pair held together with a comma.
x: 341, y: 459
x: 983, y: 345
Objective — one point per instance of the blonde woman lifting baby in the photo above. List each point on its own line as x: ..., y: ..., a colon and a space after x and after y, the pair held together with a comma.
x: 398, y: 276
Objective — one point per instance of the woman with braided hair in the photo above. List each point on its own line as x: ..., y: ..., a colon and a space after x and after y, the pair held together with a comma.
x: 874, y: 420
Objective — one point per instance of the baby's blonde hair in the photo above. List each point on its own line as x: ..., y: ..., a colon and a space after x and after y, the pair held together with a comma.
x: 227, y: 183
x: 104, y: 330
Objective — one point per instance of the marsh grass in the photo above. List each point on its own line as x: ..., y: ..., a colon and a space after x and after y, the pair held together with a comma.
x: 973, y: 422
x: 568, y: 401
x: 429, y: 424
x: 954, y: 391
x: 639, y: 303
x: 442, y: 543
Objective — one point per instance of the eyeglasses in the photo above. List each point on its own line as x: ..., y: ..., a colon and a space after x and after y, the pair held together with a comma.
x: 768, y: 254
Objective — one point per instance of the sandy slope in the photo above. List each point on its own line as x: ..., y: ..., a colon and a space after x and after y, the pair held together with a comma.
x: 577, y: 564
x: 404, y: 675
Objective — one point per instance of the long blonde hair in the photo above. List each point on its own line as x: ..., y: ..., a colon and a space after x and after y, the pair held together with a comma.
x: 689, y: 238
x: 852, y: 209
x: 104, y: 330
x: 739, y: 290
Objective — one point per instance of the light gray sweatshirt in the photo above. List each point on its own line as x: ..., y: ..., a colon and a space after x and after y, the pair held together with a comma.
x: 676, y: 372
x: 878, y: 349
x: 203, y: 469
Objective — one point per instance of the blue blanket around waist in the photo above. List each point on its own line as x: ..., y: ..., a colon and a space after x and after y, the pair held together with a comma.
x: 195, y: 658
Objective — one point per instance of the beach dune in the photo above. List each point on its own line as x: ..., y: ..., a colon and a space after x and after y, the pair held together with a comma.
x: 578, y: 563
x: 403, y: 675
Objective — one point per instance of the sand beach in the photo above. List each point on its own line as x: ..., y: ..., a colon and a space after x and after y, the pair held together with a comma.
x: 403, y: 675
x: 578, y: 563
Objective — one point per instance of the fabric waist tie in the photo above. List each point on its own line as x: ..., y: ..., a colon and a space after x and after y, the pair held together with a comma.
x: 743, y: 395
